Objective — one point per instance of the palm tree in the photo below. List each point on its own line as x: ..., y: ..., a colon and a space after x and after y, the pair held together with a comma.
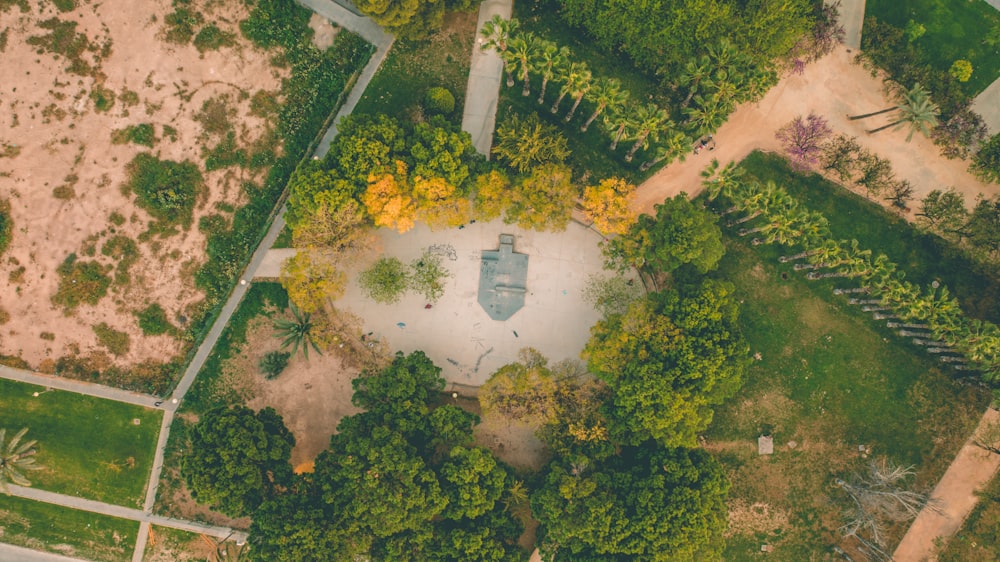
x: 620, y: 123
x: 525, y: 49
x: 828, y: 247
x: 692, y: 75
x: 723, y: 55
x: 916, y: 109
x: 15, y: 457
x: 720, y: 182
x: 651, y: 121
x: 606, y: 92
x: 497, y: 33
x: 509, y: 59
x: 676, y: 144
x: 297, y: 332
x: 551, y: 62
x: 576, y: 82
x: 724, y: 86
x: 708, y: 115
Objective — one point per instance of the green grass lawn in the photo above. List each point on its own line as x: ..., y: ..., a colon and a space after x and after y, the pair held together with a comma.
x: 88, y: 446
x: 70, y: 532
x: 979, y: 538
x: 829, y: 379
x: 955, y: 30
x: 923, y: 257
x: 398, y: 87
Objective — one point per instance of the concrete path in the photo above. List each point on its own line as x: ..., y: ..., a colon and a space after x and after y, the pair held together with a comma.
x: 483, y: 92
x: 123, y: 512
x: 971, y: 470
x: 987, y: 104
x: 80, y: 387
x: 11, y: 553
x: 852, y: 17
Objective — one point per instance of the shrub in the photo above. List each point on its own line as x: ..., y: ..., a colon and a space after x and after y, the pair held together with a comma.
x: 181, y: 23
x: 153, y: 320
x: 125, y: 250
x: 103, y: 98
x: 523, y: 144
x: 439, y: 100
x: 166, y: 189
x: 118, y: 343
x: 386, y: 281
x: 142, y: 134
x: 80, y: 282
x: 960, y: 136
x: 6, y: 225
x: 961, y: 70
x: 273, y: 363
x: 211, y: 38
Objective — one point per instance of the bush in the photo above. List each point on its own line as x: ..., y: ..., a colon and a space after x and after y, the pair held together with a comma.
x: 118, y: 343
x: 211, y: 38
x: 386, y: 281
x: 6, y: 225
x: 80, y: 282
x: 181, y: 23
x: 167, y: 189
x: 153, y: 320
x: 125, y: 250
x: 142, y: 134
x: 439, y: 100
x: 273, y: 363
x: 103, y: 98
x: 961, y: 70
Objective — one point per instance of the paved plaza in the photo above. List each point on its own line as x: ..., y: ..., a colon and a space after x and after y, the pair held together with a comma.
x: 457, y: 333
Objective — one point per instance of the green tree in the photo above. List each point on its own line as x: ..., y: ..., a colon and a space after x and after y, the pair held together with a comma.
x: 523, y: 144
x: 296, y: 331
x: 551, y: 63
x: 692, y: 75
x: 681, y: 233
x: 167, y: 189
x: 576, y: 81
x: 473, y: 482
x: 411, y: 19
x: 385, y: 281
x: 427, y: 275
x: 497, y: 33
x: 15, y: 458
x: 607, y: 94
x: 944, y: 212
x: 986, y: 163
x: 651, y: 120
x: 621, y: 123
x: 648, y: 503
x: 273, y: 363
x: 525, y: 48
x: 544, y: 199
x: 915, y: 109
x: 668, y: 360
x: 238, y: 458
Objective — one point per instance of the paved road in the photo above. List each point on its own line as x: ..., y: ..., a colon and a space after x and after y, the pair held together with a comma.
x: 11, y: 553
x: 80, y: 387
x: 987, y: 104
x: 483, y: 91
x: 852, y: 17
x: 123, y: 512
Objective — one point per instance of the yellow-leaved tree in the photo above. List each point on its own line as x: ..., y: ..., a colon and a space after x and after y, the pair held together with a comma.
x: 310, y: 278
x: 388, y: 200
x: 439, y: 204
x: 608, y: 205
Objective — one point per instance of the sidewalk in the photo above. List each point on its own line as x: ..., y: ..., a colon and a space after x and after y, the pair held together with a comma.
x: 483, y: 92
x: 80, y: 387
x: 987, y: 104
x: 852, y: 17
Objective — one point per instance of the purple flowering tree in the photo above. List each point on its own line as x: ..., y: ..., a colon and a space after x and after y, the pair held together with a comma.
x: 802, y: 140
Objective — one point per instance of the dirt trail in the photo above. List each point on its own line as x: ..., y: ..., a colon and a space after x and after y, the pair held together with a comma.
x: 834, y: 88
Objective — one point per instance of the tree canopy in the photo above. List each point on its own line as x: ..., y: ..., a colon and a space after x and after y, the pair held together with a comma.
x: 668, y: 360
x: 238, y: 459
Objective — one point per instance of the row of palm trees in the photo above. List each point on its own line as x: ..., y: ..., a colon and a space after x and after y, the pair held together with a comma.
x: 933, y: 312
x: 525, y: 55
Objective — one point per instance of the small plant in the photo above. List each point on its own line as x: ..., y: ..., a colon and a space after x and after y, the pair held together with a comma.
x: 386, y: 281
x: 80, y: 282
x: 427, y: 275
x: 296, y: 332
x: 439, y: 100
x: 273, y: 363
x: 961, y: 70
x: 6, y: 225
x: 116, y: 218
x: 118, y: 343
x: 153, y: 320
x: 211, y: 38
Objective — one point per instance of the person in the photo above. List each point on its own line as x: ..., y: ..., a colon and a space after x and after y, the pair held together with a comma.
x: 427, y: 306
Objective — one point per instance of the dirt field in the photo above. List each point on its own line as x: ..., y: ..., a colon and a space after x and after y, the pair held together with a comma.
x: 64, y: 177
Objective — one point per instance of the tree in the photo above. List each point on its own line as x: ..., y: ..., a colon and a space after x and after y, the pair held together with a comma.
x: 525, y: 48
x: 676, y: 144
x: 649, y: 503
x: 915, y: 109
x: 707, y: 115
x: 544, y: 199
x: 620, y: 122
x: 238, y: 458
x: 310, y: 279
x: 523, y: 391
x: 426, y: 276
x: 608, y: 205
x: 388, y: 199
x: 803, y: 140
x: 611, y: 295
x: 605, y: 93
x: 650, y: 121
x: 493, y: 195
x: 296, y: 332
x: 986, y: 164
x: 473, y: 482
x: 840, y: 154
x: 682, y: 233
x: 944, y: 212
x: 668, y: 360
x: 497, y: 33
x: 576, y: 82
x: 15, y: 458
x: 961, y: 135
x: 523, y: 144
x: 551, y: 62
x: 983, y: 226
x: 695, y: 71
x: 412, y: 19
x: 876, y: 174
x: 385, y: 281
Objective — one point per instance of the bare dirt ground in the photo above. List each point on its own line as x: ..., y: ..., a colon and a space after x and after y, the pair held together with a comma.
x: 62, y: 141
x: 833, y: 88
